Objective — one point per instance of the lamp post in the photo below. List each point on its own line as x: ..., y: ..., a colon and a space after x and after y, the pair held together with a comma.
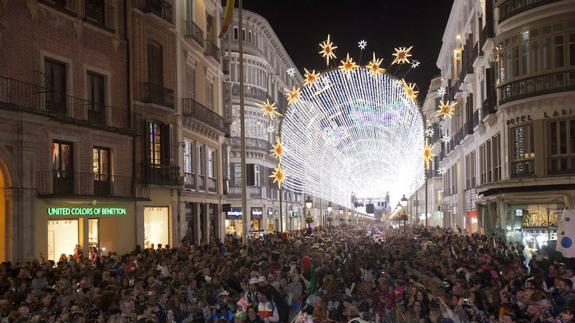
x: 329, y: 209
x: 308, y: 204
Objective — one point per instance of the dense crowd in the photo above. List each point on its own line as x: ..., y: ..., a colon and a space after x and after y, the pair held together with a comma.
x: 334, y: 274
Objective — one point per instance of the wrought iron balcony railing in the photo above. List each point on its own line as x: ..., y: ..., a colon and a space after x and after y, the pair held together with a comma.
x: 510, y: 8
x: 212, y: 50
x: 537, y: 85
x: 158, y: 94
x: 27, y: 97
x: 168, y: 175
x: 160, y: 8
x: 197, y: 111
x: 195, y: 32
x: 63, y: 183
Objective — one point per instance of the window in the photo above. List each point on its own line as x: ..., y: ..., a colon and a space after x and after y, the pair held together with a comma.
x: 56, y: 85
x: 190, y: 10
x: 572, y: 49
x: 62, y: 167
x: 210, y: 28
x: 257, y: 175
x: 95, y: 11
x: 62, y: 159
x: 210, y: 94
x: 473, y: 169
x: 155, y: 143
x: 559, y: 54
x: 482, y: 164
x: 496, y: 154
x: 188, y: 157
x: 101, y: 163
x: 522, y: 154
x: 155, y: 63
x: 237, y: 175
x: 190, y: 91
x: 562, y: 147
x: 96, y: 97
x: 202, y: 161
x: 211, y: 163
x: 488, y: 161
x: 236, y: 32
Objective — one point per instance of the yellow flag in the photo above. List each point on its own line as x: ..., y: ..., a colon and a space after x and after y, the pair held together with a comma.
x: 228, y: 18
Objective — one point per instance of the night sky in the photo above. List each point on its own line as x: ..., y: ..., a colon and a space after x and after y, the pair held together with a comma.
x: 385, y: 24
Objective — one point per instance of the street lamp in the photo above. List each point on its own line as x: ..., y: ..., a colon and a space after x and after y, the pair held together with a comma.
x: 340, y: 211
x: 308, y: 203
x: 329, y: 208
x: 403, y: 201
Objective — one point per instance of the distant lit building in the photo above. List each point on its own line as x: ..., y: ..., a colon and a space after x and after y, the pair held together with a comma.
x: 265, y: 63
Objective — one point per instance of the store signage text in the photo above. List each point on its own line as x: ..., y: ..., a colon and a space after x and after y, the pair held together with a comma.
x: 519, y: 119
x: 257, y: 212
x: 563, y: 112
x: 234, y: 213
x: 87, y: 211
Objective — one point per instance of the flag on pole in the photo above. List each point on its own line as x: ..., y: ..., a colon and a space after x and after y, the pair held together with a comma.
x: 566, y: 234
x: 228, y: 18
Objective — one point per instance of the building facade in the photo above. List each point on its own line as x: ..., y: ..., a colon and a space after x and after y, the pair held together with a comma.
x: 511, y: 68
x: 66, y: 131
x: 265, y: 64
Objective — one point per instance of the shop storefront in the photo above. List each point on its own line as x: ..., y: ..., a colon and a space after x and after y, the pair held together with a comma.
x: 256, y: 219
x: 234, y: 221
x: 471, y: 222
x: 156, y: 226
x: 533, y: 224
x: 63, y: 225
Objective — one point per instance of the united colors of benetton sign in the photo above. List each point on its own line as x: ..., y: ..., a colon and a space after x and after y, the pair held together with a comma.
x: 81, y: 211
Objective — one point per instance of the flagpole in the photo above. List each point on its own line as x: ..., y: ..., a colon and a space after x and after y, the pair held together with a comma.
x: 245, y: 218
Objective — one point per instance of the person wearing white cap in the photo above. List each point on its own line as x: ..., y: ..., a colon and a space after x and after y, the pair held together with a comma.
x: 251, y: 294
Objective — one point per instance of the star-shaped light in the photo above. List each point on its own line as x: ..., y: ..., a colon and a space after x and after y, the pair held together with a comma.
x: 446, y: 109
x: 373, y: 66
x: 278, y: 175
x: 348, y: 65
x: 427, y: 154
x: 415, y: 63
x: 293, y: 94
x: 402, y: 55
x: 271, y: 129
x: 310, y: 77
x: 441, y: 91
x: 409, y: 89
x: 277, y: 150
x: 327, y: 50
x: 290, y: 72
x: 429, y: 132
x: 442, y: 170
x: 445, y: 139
x: 362, y: 44
x: 269, y: 109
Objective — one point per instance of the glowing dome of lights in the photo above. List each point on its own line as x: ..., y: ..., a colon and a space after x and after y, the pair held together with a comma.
x: 352, y: 132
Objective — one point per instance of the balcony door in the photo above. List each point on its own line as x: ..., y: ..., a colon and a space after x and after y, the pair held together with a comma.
x: 96, y: 98
x: 101, y: 170
x: 155, y: 64
x: 62, y: 168
x: 56, y: 85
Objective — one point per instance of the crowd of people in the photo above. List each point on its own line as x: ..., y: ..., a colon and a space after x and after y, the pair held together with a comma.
x: 363, y: 274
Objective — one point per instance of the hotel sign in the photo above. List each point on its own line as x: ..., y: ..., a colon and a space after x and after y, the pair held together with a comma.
x: 86, y: 211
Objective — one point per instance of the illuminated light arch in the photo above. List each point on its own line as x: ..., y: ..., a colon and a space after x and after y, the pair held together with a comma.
x: 353, y: 132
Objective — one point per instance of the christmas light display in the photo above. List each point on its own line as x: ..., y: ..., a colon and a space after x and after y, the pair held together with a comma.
x: 290, y: 72
x: 415, y: 63
x: 401, y: 55
x: 348, y: 65
x: 362, y: 44
x: 442, y: 170
x: 445, y: 139
x: 269, y: 109
x: 441, y: 92
x: 428, y: 154
x: 446, y: 109
x: 327, y: 50
x: 362, y: 134
x: 429, y: 132
x: 373, y: 66
x: 310, y: 77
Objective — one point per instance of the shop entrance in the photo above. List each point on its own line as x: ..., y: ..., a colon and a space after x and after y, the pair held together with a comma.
x: 156, y: 226
x: 62, y: 238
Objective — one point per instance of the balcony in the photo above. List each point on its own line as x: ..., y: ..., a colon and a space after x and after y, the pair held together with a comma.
x: 160, y: 8
x: 510, y: 8
x: 488, y: 107
x: 251, y: 144
x: 522, y: 168
x: 58, y: 183
x: 194, y: 32
x: 538, y: 85
x: 488, y: 30
x: 27, y: 97
x: 561, y: 165
x: 157, y: 94
x: 195, y: 110
x: 100, y: 13
x: 475, y: 118
x: 212, y: 50
x: 250, y: 92
x: 167, y: 175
